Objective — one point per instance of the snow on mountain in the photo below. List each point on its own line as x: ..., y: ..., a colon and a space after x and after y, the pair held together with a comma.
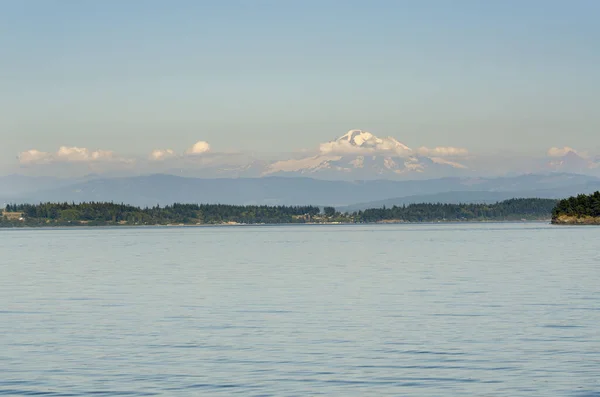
x: 362, y: 155
x: 299, y: 165
x: 358, y: 141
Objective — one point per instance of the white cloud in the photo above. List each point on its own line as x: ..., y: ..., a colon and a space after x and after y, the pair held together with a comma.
x: 72, y: 154
x: 103, y: 155
x: 443, y: 151
x: 339, y: 148
x: 77, y: 154
x: 161, y: 154
x: 34, y: 156
x: 69, y: 154
x: 560, y: 152
x: 199, y: 148
x: 439, y: 160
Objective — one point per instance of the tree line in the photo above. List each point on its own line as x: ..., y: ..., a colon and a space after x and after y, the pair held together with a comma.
x: 513, y: 209
x: 101, y: 213
x: 580, y: 206
x: 94, y: 213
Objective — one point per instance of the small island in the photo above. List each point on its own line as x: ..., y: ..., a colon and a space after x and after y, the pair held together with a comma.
x: 580, y: 210
x: 112, y: 214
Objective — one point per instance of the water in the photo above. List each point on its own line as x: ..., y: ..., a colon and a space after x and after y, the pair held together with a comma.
x: 390, y: 310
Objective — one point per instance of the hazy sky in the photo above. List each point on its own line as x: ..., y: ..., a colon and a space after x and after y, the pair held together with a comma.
x: 278, y: 76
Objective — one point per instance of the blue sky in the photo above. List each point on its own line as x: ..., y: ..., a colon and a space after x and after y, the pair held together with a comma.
x: 278, y: 76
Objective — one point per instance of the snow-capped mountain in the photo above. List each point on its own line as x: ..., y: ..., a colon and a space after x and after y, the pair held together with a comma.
x: 361, y: 155
x: 575, y: 163
x: 363, y: 142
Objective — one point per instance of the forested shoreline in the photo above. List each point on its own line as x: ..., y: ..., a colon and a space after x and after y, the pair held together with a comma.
x: 513, y: 209
x: 110, y: 214
x: 102, y: 214
x: 581, y: 209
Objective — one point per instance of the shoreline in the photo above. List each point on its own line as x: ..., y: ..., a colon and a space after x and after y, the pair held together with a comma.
x: 229, y: 224
x: 566, y: 220
x: 105, y: 214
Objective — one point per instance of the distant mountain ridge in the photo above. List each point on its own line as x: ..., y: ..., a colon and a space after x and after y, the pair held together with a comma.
x: 474, y: 197
x: 164, y: 189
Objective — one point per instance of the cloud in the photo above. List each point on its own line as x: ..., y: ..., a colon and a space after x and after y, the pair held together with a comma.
x: 69, y: 154
x: 161, y: 154
x: 199, y: 148
x: 339, y: 148
x: 443, y: 151
x: 77, y: 154
x: 34, y: 156
x: 439, y: 160
x: 560, y: 152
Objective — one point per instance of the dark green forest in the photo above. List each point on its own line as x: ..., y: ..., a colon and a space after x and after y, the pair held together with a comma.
x: 103, y: 214
x: 114, y: 214
x: 513, y: 209
x: 579, y: 206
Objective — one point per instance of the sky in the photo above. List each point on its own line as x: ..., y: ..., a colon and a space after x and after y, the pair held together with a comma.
x: 281, y: 76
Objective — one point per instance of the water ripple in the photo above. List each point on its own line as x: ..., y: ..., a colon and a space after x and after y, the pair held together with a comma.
x: 406, y: 310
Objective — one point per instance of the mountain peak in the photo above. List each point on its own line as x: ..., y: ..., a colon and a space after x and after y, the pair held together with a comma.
x: 356, y: 137
x: 571, y: 154
x: 365, y: 140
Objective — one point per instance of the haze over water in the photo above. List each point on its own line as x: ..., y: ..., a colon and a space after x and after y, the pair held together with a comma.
x: 394, y: 310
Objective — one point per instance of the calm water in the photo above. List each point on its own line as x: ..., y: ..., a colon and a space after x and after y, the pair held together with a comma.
x: 395, y: 310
